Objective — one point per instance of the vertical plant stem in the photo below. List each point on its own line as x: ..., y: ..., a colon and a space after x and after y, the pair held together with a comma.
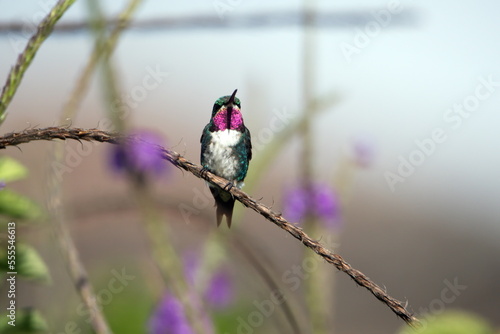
x: 168, y: 260
x: 343, y: 179
x: 61, y: 234
x: 308, y: 49
x: 54, y: 195
x: 102, y: 48
x: 109, y: 74
x: 24, y: 60
x: 318, y: 296
x: 70, y: 254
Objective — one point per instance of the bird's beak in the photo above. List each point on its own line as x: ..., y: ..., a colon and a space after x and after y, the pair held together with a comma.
x: 230, y: 104
x: 231, y: 99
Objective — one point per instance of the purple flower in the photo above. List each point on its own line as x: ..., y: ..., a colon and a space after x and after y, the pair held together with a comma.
x: 363, y: 149
x: 139, y: 156
x: 220, y: 290
x: 296, y: 203
x: 2, y: 185
x: 169, y: 318
x: 320, y: 201
x: 327, y: 205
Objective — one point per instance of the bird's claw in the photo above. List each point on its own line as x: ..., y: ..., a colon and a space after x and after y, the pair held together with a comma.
x: 203, y: 172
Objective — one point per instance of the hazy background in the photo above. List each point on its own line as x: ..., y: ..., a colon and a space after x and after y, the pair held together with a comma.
x: 441, y: 224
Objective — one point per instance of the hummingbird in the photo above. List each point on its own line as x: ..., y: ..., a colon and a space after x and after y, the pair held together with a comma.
x: 226, y: 151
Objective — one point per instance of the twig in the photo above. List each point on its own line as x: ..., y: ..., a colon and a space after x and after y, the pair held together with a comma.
x: 268, y: 19
x: 179, y: 161
x: 78, y: 273
x: 24, y: 59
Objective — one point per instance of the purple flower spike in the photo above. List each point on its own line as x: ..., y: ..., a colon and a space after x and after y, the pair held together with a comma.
x: 326, y: 205
x: 320, y: 201
x: 220, y: 291
x: 169, y: 318
x: 139, y: 156
x: 2, y: 185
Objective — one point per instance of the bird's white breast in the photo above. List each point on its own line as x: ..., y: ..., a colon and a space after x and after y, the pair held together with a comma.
x: 219, y: 154
x: 226, y: 138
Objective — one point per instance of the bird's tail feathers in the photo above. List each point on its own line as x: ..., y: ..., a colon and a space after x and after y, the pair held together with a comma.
x: 224, y: 202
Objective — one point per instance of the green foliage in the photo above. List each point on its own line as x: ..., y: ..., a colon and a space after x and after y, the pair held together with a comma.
x: 232, y: 319
x: 452, y: 322
x: 133, y: 317
x: 27, y: 321
x: 12, y: 204
x: 28, y: 264
x: 17, y: 206
x: 11, y: 170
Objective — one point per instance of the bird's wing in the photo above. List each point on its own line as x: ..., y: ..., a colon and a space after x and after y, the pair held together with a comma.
x: 204, y: 140
x: 248, y: 144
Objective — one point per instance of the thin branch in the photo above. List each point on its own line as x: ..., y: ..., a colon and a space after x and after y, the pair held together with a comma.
x: 231, y: 19
x: 179, y: 161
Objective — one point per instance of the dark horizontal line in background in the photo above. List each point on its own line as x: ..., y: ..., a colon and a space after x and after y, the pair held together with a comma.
x: 345, y: 19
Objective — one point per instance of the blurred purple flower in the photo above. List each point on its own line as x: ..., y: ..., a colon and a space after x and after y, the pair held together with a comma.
x: 320, y: 201
x: 139, y: 156
x: 220, y: 290
x: 2, y: 185
x: 327, y: 205
x: 296, y: 202
x: 169, y: 318
x: 363, y: 149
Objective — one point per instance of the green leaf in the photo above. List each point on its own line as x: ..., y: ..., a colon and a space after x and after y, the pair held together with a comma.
x: 17, y: 206
x: 26, y: 321
x: 28, y: 264
x: 11, y: 170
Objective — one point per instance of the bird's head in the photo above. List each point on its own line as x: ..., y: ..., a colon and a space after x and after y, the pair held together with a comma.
x: 226, y: 113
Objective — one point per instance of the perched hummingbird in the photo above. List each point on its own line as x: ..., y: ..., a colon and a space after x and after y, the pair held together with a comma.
x: 226, y: 151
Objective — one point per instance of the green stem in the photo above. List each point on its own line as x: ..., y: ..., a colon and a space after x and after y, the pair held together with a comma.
x: 102, y: 49
x: 167, y: 259
x: 26, y: 57
x: 70, y: 254
x: 318, y: 299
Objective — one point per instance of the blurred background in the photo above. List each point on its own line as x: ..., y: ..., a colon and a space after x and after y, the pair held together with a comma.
x: 405, y: 136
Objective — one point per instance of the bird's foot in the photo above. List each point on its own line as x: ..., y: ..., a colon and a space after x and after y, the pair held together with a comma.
x: 203, y: 172
x: 228, y: 186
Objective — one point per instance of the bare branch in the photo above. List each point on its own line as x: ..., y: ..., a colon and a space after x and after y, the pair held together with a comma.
x: 179, y: 161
